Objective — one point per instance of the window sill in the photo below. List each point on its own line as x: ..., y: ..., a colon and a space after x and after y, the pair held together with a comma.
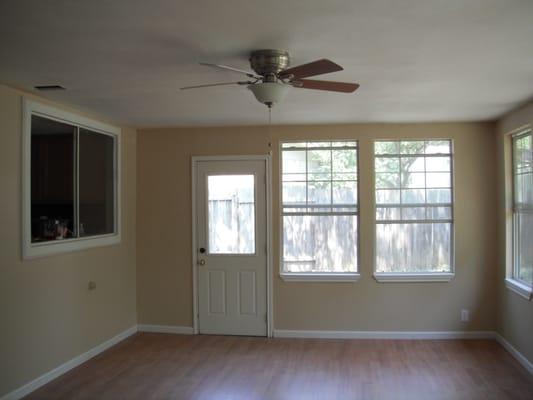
x: 414, y: 277
x: 56, y: 247
x: 519, y: 288
x: 320, y: 277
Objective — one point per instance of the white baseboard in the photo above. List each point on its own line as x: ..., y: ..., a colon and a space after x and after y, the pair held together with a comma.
x: 418, y: 335
x: 65, y: 367
x: 528, y: 365
x: 182, y: 330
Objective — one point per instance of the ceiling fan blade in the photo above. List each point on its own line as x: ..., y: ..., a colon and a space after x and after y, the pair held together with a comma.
x: 216, y: 84
x: 344, y: 87
x: 318, y: 67
x: 228, y: 68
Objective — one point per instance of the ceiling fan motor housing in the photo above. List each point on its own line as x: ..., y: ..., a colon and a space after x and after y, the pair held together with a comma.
x: 269, y: 63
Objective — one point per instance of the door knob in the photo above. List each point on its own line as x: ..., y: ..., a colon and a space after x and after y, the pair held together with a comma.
x: 201, y: 262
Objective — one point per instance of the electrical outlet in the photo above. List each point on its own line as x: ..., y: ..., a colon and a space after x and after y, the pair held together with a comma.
x: 465, y: 315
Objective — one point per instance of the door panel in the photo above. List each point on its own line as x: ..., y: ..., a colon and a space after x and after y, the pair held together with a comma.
x: 247, y: 293
x: 231, y: 227
x: 216, y: 291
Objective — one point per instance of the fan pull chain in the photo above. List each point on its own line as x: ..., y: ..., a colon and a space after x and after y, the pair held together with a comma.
x: 269, y: 115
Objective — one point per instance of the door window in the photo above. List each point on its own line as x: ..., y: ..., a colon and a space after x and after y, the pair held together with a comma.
x: 231, y: 214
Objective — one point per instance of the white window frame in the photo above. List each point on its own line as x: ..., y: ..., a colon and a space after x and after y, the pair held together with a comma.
x: 32, y: 250
x: 317, y: 276
x: 384, y: 277
x: 511, y: 282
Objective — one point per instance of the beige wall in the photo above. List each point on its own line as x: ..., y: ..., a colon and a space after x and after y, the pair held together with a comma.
x: 515, y: 317
x: 47, y: 314
x: 164, y: 285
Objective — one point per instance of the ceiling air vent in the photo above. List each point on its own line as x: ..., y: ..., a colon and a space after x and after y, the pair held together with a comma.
x: 49, y: 87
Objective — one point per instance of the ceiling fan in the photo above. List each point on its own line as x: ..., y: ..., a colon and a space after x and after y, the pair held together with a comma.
x: 272, y: 78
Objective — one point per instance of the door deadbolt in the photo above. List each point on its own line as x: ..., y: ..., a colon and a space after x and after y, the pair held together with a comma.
x: 202, y: 250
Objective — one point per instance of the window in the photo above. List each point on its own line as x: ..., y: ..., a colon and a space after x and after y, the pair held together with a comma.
x: 319, y: 210
x: 70, y: 182
x: 414, y: 209
x: 523, y: 209
x: 231, y: 214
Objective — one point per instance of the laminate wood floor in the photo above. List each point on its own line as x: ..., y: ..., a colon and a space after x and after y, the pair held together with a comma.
x: 161, y: 366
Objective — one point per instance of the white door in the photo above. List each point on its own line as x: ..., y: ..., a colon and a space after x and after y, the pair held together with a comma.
x: 231, y: 247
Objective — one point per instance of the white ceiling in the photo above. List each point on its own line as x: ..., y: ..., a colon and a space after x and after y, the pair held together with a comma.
x: 424, y: 60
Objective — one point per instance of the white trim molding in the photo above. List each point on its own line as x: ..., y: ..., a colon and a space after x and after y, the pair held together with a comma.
x: 405, y: 335
x: 528, y: 365
x: 319, y: 277
x: 519, y: 288
x: 181, y: 330
x: 67, y: 366
x: 413, y: 277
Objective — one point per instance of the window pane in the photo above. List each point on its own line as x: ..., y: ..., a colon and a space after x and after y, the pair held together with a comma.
x: 294, y: 192
x: 413, y: 213
x: 294, y: 178
x: 96, y: 183
x: 319, y: 176
x: 438, y: 180
x: 387, y: 164
x: 319, y: 161
x: 439, y: 195
x: 438, y: 147
x: 293, y: 162
x: 414, y: 180
x: 437, y: 164
x: 386, y: 180
x: 413, y: 164
x: 344, y: 161
x: 344, y: 176
x: 289, y: 145
x: 525, y: 247
x: 318, y: 144
x: 523, y: 171
x: 439, y: 213
x: 387, y: 147
x: 524, y: 189
x: 388, y: 213
x: 231, y: 214
x: 413, y: 196
x: 387, y: 196
x: 319, y: 193
x: 344, y: 192
x: 344, y: 144
x: 412, y: 147
x: 320, y: 243
x: 413, y: 247
x: 52, y: 179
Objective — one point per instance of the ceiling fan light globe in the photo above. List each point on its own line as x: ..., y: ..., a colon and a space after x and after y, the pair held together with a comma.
x: 269, y: 93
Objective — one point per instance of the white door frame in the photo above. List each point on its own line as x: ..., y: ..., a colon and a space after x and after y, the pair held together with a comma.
x: 268, y: 185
